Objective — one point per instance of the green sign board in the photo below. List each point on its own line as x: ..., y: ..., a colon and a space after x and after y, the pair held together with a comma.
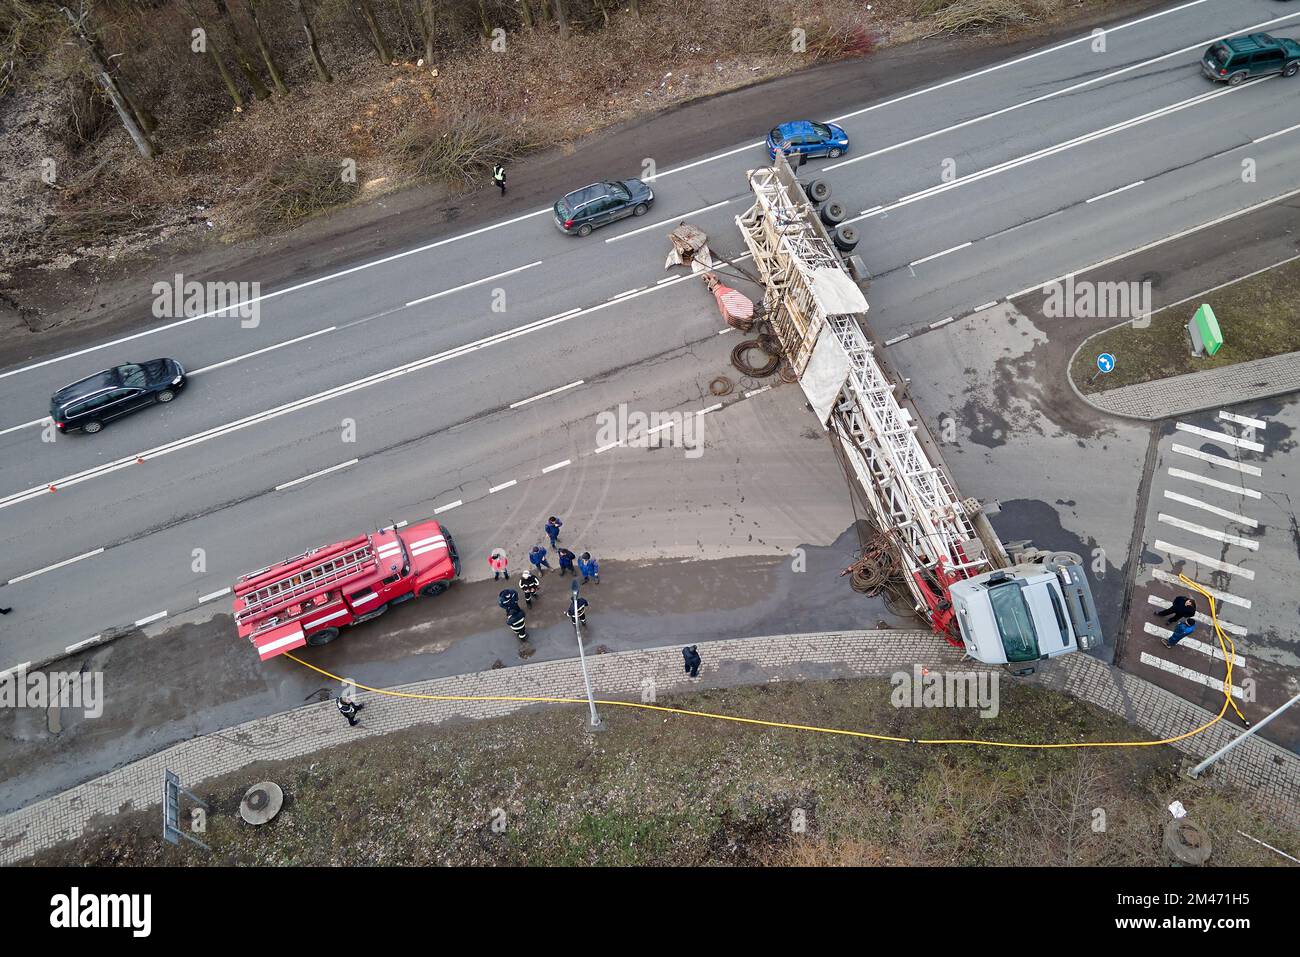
x: 1206, y: 337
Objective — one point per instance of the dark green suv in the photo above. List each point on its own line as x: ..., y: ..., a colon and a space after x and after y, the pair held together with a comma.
x: 1258, y: 54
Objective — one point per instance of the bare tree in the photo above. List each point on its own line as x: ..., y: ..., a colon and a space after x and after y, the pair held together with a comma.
x: 86, y: 36
x: 527, y: 11
x: 322, y: 71
x: 260, y: 38
x: 424, y: 20
x: 241, y: 55
x: 210, y: 45
x: 562, y: 18
x: 635, y: 7
x: 376, y: 35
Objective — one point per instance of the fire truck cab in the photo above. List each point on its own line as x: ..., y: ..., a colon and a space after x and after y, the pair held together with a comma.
x: 307, y: 599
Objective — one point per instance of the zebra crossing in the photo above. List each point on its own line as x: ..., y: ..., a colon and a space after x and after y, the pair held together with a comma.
x: 1203, y: 493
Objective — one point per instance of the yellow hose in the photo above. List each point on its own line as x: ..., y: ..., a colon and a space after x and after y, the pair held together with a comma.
x: 1225, y: 644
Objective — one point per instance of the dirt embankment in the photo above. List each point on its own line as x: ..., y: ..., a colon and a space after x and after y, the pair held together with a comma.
x: 665, y: 789
x: 459, y: 86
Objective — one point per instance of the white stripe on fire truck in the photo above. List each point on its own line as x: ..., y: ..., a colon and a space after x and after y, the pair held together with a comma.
x: 427, y: 541
x: 392, y: 548
x: 431, y: 548
x: 371, y: 597
x: 320, y: 621
x: 274, y: 647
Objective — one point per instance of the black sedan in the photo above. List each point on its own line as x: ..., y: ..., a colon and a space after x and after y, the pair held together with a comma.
x: 90, y: 402
x: 584, y: 209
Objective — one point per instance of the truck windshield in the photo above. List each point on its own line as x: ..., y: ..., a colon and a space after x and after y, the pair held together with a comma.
x: 1015, y: 623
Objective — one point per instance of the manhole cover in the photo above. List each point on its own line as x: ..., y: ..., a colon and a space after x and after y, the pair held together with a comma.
x: 1187, y: 843
x: 261, y: 802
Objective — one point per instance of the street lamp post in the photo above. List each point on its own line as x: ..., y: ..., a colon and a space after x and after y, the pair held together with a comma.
x: 1196, y: 771
x: 596, y: 724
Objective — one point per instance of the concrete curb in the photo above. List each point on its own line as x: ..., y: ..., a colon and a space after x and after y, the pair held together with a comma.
x: 1271, y: 772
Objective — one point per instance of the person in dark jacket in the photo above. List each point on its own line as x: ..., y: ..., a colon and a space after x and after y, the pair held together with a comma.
x: 349, y: 708
x: 529, y: 584
x: 499, y: 177
x: 691, y: 658
x: 538, y: 557
x: 553, y: 526
x: 1183, y: 607
x: 508, y: 597
x: 582, y: 611
x: 590, y: 570
x: 566, y: 561
x: 516, y: 620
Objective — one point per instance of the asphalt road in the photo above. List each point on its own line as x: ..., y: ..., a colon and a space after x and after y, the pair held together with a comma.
x: 422, y: 355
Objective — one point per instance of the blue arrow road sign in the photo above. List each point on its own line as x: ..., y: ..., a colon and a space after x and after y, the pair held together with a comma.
x: 1105, y: 362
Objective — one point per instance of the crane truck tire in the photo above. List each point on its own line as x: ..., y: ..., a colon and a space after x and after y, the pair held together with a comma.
x: 846, y: 238
x: 832, y: 214
x: 1061, y: 558
x: 818, y: 191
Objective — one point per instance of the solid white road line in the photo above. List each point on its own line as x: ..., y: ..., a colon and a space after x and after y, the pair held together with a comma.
x: 926, y: 259
x: 1245, y: 420
x: 1188, y: 673
x: 1038, y: 286
x: 144, y: 621
x: 987, y: 305
x: 1218, y: 460
x: 713, y: 408
x: 1221, y: 512
x: 448, y: 507
x: 606, y: 448
x: 1221, y: 437
x: 941, y: 323
x: 661, y: 224
x: 1114, y: 191
x: 1214, y: 483
x: 471, y: 285
x: 50, y: 568
x: 1047, y: 51
x: 503, y: 486
x: 213, y: 596
x: 25, y: 425
x: 1083, y: 140
x: 1203, y: 618
x: 557, y: 465
x: 72, y: 649
x: 515, y: 405
x: 1213, y: 533
x: 890, y: 342
x: 1289, y: 129
x: 249, y: 355
x: 1191, y: 644
x: 1161, y: 575
x: 1191, y: 556
x: 308, y: 478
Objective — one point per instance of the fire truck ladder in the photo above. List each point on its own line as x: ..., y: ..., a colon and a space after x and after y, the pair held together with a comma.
x: 911, y: 498
x: 284, y: 592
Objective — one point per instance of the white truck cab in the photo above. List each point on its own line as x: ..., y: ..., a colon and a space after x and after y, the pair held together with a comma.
x: 1026, y: 612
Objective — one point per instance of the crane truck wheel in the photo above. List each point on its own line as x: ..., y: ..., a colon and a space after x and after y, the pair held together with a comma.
x: 322, y: 637
x: 1063, y: 558
x: 832, y: 214
x: 846, y: 238
x: 433, y: 588
x: 818, y: 191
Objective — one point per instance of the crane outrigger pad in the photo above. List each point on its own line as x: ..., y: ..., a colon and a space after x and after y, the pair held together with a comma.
x: 690, y: 248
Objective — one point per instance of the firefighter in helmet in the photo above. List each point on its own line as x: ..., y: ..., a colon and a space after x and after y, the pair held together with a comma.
x: 529, y: 584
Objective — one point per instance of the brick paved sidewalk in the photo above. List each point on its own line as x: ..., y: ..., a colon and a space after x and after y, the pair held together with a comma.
x: 1272, y: 771
x: 1198, y: 391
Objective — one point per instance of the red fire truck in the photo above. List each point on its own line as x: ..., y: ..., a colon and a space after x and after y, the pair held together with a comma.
x: 307, y: 599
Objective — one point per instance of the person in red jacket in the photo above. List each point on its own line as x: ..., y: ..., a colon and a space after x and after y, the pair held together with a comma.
x: 499, y: 564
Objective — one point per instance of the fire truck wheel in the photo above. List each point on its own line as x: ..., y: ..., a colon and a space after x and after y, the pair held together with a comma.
x: 322, y: 637
x: 90, y: 428
x: 166, y: 395
x: 433, y: 588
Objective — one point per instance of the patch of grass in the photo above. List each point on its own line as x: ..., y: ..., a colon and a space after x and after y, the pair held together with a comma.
x: 295, y: 190
x: 656, y: 789
x: 461, y: 148
x: 1259, y: 317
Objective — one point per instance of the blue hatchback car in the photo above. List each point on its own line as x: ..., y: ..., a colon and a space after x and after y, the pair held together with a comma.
x: 810, y: 139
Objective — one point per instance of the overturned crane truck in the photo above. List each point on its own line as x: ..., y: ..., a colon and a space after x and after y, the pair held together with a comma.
x: 1002, y: 611
x: 308, y: 599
